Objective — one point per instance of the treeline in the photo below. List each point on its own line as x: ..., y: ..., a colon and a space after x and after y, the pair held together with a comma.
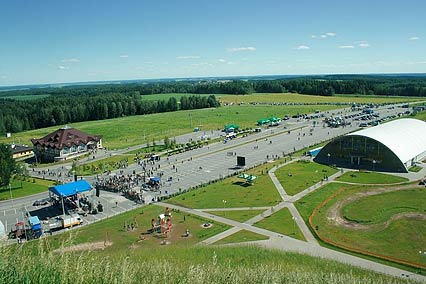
x: 16, y: 116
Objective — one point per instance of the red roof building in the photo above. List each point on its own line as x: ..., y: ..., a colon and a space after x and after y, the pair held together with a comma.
x: 64, y: 143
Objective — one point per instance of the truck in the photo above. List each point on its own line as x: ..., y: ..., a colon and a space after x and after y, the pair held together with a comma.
x: 35, y: 225
x: 66, y: 221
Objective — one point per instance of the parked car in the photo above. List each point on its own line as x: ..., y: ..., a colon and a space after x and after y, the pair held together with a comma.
x: 41, y: 202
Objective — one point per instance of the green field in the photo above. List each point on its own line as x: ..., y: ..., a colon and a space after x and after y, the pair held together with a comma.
x: 238, y: 215
x: 241, y: 236
x: 157, y: 97
x: 370, y: 178
x: 398, y: 238
x: 21, y: 188
x: 234, y: 192
x: 123, y: 132
x: 299, y: 98
x: 300, y: 175
x: 281, y: 222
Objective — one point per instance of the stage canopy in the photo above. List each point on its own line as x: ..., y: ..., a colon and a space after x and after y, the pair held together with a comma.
x: 71, y: 188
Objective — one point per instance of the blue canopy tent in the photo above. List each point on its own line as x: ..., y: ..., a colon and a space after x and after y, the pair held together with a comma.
x: 70, y: 189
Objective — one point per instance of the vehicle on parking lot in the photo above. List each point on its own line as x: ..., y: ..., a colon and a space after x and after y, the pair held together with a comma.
x: 41, y: 202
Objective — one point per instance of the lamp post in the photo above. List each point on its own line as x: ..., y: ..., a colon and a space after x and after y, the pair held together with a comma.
x: 224, y: 203
x: 374, y: 164
x: 10, y: 191
x: 294, y: 225
x: 328, y: 157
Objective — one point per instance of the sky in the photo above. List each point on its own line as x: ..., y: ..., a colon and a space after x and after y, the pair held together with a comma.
x: 58, y: 41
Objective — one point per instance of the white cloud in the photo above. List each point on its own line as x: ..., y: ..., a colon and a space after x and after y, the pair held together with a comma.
x: 313, y: 36
x: 346, y: 46
x: 323, y: 36
x: 237, y: 49
x: 414, y: 38
x: 188, y: 57
x: 221, y: 60
x: 3, y: 77
x: 364, y: 45
x: 62, y: 67
x: 303, y: 47
x: 70, y: 60
x: 124, y: 56
x: 330, y: 34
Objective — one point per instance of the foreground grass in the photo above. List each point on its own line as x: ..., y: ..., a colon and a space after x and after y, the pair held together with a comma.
x: 300, y: 175
x: 179, y: 265
x: 140, y: 129
x: 241, y: 236
x: 370, y: 178
x: 281, y: 222
x: 21, y: 188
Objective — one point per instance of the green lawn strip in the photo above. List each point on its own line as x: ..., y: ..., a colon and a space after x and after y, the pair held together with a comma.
x: 300, y: 98
x: 177, y: 96
x: 22, y: 188
x: 281, y: 222
x: 241, y: 236
x: 237, y: 215
x: 112, y: 229
x: 381, y: 207
x: 415, y: 169
x: 119, y: 133
x: 300, y: 175
x: 234, y: 191
x: 370, y: 178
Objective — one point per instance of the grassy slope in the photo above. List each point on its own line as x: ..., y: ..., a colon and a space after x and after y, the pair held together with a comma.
x: 303, y: 175
x: 370, y: 178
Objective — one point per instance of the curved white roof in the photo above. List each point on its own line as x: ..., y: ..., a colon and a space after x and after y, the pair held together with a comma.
x: 405, y: 137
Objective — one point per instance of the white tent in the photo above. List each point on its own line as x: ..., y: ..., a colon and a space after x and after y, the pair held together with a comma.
x: 2, y: 231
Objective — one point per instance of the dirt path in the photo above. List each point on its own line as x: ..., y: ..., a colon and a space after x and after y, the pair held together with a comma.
x: 334, y: 214
x: 85, y: 247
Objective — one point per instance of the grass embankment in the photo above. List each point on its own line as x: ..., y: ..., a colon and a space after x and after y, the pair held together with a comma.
x: 281, y: 222
x: 232, y: 192
x: 194, y: 265
x: 24, y: 187
x: 298, y: 176
x: 238, y: 215
x: 128, y: 131
x: 370, y: 178
x: 400, y: 238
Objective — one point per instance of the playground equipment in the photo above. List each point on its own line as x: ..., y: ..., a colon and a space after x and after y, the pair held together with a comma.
x: 162, y: 225
x: 248, y: 178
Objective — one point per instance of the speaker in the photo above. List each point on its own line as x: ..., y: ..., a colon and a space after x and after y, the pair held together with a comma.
x: 97, y: 192
x: 241, y: 161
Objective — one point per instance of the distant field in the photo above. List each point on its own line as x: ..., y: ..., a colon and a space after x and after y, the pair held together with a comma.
x: 25, y: 97
x: 157, y: 97
x: 300, y: 98
x: 128, y: 131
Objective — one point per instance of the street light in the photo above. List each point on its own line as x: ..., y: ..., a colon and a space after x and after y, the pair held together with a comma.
x: 374, y: 164
x: 10, y: 191
x: 224, y: 203
x: 328, y: 157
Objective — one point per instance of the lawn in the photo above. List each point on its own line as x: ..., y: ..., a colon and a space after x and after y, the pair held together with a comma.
x: 238, y: 215
x: 128, y: 131
x: 300, y: 175
x: 281, y: 222
x: 21, y: 188
x: 241, y: 236
x: 112, y: 229
x: 300, y: 98
x: 157, y: 97
x: 415, y: 169
x: 370, y: 178
x: 108, y: 164
x: 234, y: 192
x: 401, y: 238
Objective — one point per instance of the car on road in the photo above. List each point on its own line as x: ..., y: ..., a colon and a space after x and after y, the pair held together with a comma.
x: 41, y: 202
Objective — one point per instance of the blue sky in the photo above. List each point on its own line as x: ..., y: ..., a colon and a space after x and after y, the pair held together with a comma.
x: 53, y: 41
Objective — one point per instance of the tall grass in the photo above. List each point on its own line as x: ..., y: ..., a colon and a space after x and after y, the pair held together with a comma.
x: 181, y: 265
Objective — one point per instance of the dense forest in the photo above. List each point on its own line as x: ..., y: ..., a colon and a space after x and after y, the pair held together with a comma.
x: 16, y: 116
x: 95, y: 102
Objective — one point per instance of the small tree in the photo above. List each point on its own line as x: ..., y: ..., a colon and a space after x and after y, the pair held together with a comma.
x: 7, y: 164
